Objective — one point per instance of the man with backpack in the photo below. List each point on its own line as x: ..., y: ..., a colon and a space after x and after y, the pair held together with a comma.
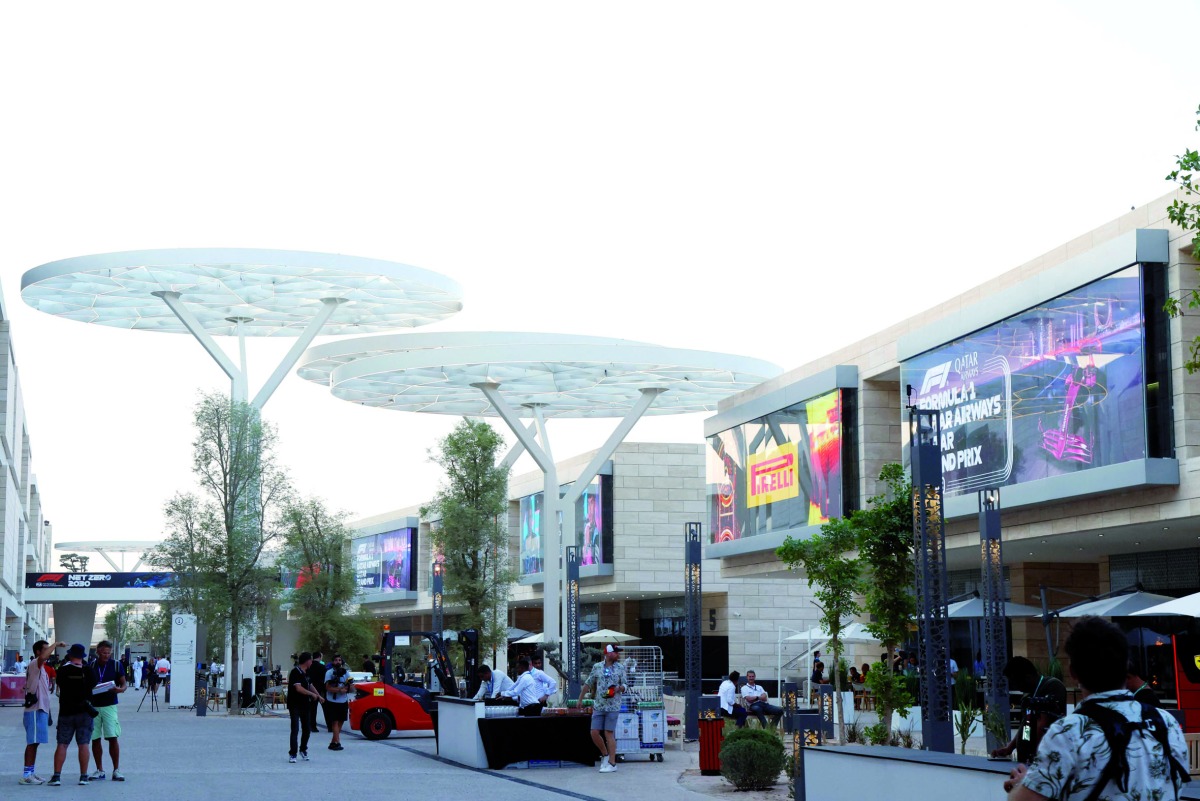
x: 1112, y: 746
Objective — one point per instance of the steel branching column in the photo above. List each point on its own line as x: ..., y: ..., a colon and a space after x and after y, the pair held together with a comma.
x: 571, y: 641
x: 691, y: 635
x: 929, y: 559
x: 995, y: 637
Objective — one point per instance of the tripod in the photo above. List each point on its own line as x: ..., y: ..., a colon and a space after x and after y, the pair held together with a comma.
x: 152, y: 694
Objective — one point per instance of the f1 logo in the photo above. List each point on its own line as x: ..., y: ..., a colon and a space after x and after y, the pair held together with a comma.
x: 936, y: 377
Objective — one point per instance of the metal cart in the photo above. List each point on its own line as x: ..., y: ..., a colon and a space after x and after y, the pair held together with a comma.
x: 642, y: 724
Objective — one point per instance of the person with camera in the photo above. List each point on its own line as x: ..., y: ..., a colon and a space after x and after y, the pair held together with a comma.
x: 75, y: 712
x: 37, y: 709
x: 106, y: 725
x: 338, y: 686
x: 1112, y: 746
x: 1044, y: 702
x: 300, y: 698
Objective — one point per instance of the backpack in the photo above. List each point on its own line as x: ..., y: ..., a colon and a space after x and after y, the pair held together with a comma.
x: 1118, y: 731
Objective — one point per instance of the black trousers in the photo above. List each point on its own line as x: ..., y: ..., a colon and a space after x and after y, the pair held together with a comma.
x: 312, y: 715
x: 301, y: 714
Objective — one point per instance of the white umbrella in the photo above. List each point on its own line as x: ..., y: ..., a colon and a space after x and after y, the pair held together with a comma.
x: 853, y: 634
x: 532, y: 639
x: 608, y: 635
x: 1118, y: 606
x: 973, y: 608
x: 1188, y: 606
x: 515, y: 633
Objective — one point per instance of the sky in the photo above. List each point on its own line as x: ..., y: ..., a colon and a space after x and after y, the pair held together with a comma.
x: 771, y: 179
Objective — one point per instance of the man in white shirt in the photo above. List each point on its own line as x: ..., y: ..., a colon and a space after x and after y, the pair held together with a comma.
x: 491, y: 684
x: 527, y: 691
x: 953, y: 671
x: 20, y: 666
x: 549, y: 686
x: 756, y: 698
x: 731, y: 705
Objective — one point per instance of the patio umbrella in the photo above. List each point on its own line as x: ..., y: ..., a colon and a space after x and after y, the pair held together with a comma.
x: 532, y: 639
x: 1118, y: 606
x: 973, y: 608
x: 853, y: 634
x: 608, y: 635
x: 1187, y: 606
x: 515, y: 633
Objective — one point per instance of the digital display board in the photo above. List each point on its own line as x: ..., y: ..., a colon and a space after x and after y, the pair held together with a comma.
x: 594, y: 523
x: 1053, y: 390
x: 777, y: 472
x: 385, y: 562
x: 532, y: 555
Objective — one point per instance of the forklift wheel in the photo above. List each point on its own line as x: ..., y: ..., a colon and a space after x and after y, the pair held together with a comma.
x: 376, y: 725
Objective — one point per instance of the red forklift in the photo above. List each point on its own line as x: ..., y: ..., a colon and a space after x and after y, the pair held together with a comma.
x: 393, y: 704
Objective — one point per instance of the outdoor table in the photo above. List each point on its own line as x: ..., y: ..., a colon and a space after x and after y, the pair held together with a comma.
x: 549, y: 737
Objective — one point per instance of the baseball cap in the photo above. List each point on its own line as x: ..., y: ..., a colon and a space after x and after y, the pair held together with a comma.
x: 612, y: 649
x: 76, y: 650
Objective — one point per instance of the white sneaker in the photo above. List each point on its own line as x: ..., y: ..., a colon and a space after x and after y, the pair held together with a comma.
x: 607, y: 767
x: 31, y: 779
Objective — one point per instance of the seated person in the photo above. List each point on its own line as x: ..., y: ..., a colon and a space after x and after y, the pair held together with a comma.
x: 818, y: 673
x: 731, y: 702
x: 756, y: 698
x: 855, y: 676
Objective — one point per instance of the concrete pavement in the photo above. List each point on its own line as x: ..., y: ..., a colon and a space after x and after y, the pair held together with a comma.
x: 175, y: 753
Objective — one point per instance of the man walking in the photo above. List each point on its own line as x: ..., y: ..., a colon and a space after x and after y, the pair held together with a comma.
x: 37, y: 709
x: 75, y: 683
x: 606, y: 684
x: 300, y: 699
x: 316, y: 677
x: 1112, y: 747
x: 756, y: 699
x: 106, y: 725
x: 337, y: 700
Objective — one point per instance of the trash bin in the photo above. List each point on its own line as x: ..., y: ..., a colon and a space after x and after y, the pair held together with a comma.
x: 712, y: 736
x: 201, y: 696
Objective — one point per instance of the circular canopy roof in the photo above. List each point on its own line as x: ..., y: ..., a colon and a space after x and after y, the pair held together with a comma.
x: 569, y: 376
x: 112, y: 546
x: 274, y: 292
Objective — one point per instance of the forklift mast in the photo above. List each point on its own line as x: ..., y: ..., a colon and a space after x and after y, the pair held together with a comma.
x: 442, y: 668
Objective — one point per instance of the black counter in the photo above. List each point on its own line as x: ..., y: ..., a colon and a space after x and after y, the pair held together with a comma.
x: 563, y: 737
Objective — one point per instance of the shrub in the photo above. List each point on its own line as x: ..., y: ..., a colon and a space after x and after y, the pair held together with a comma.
x: 854, y: 732
x: 877, y: 734
x: 751, y: 759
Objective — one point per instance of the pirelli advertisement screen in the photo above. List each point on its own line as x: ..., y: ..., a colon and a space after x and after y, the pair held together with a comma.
x: 1053, y: 390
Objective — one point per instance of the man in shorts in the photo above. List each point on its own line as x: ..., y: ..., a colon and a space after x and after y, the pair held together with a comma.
x: 75, y: 683
x: 606, y: 684
x: 337, y: 697
x: 106, y: 725
x: 37, y: 709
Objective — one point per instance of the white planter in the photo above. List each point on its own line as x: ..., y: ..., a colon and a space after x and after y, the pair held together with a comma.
x: 913, y: 721
x: 848, y: 705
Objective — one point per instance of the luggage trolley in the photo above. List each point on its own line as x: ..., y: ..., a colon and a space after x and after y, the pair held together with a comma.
x: 642, y: 724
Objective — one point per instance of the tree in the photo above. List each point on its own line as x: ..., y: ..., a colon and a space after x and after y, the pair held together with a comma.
x: 829, y: 566
x: 217, y: 537
x: 883, y: 534
x: 472, y: 504
x: 73, y: 562
x: 115, y: 620
x: 1186, y: 214
x: 317, y: 547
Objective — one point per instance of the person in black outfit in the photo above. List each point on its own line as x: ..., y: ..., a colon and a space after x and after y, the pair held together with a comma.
x: 75, y: 683
x: 1141, y: 689
x: 301, y: 705
x: 1022, y: 675
x: 316, y: 676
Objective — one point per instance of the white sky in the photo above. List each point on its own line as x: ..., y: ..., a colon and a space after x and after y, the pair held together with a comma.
x: 770, y: 179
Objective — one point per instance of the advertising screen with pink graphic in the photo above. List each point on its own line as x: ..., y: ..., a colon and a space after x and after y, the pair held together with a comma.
x: 1053, y: 390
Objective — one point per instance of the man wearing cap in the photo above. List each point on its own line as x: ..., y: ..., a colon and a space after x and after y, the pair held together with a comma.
x: 606, y: 684
x: 75, y: 683
x: 106, y: 726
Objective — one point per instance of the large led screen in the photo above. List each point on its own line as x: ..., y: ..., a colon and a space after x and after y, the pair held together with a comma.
x: 385, y: 562
x: 593, y: 522
x: 777, y: 472
x: 532, y: 554
x: 1053, y: 390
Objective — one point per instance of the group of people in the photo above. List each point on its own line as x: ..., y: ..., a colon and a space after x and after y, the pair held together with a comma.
x: 531, y: 690
x: 148, y: 673
x: 749, y: 699
x: 313, y: 684
x: 87, y: 710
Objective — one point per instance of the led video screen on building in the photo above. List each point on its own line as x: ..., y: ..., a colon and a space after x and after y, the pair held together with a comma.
x: 385, y: 562
x: 777, y: 472
x: 593, y: 523
x: 533, y: 557
x: 1053, y: 390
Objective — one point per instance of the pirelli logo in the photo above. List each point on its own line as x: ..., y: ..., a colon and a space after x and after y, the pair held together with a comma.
x: 771, y: 475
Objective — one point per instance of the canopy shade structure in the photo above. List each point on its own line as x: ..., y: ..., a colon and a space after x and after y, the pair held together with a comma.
x: 1118, y: 606
x: 973, y: 608
x: 608, y: 635
x: 106, y: 547
x: 516, y: 376
x: 241, y: 292
x: 532, y: 639
x: 1187, y: 606
x: 853, y: 634
x: 515, y: 633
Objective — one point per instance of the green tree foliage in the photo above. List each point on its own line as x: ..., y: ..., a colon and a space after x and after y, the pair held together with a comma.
x: 216, y: 538
x: 316, y: 546
x: 73, y: 562
x: 1185, y: 213
x: 834, y: 572
x: 472, y: 505
x: 114, y: 631
x: 153, y: 627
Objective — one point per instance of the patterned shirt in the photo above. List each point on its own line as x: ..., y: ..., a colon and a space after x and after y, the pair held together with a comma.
x: 600, y: 679
x: 1073, y: 753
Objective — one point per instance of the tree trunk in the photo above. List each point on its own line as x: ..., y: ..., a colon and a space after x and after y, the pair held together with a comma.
x: 235, y: 695
x: 837, y: 695
x: 885, y: 712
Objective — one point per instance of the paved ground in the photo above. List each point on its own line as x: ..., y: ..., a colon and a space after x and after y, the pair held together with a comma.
x: 185, y: 757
